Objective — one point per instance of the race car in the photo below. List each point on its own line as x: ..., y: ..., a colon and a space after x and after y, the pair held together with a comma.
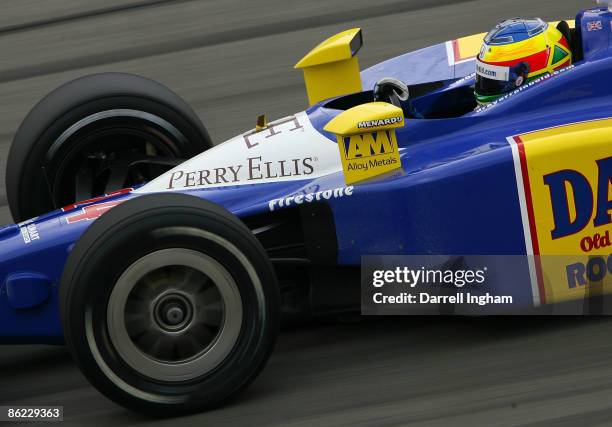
x: 164, y: 262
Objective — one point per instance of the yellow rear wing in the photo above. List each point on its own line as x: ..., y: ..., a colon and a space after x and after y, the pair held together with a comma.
x: 332, y: 68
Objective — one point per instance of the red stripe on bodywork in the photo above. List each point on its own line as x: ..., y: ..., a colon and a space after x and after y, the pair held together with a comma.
x: 456, y: 51
x: 531, y: 215
x: 97, y: 199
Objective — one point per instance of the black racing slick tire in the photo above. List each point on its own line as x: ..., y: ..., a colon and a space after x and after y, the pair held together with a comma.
x: 95, y: 135
x: 169, y: 304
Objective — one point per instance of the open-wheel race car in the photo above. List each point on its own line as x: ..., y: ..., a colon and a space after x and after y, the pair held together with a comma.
x: 164, y: 262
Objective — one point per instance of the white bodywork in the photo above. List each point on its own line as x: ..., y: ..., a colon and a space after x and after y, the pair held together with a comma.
x: 288, y: 149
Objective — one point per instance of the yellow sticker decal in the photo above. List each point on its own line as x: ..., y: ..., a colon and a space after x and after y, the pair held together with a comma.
x: 367, y: 155
x: 564, y: 176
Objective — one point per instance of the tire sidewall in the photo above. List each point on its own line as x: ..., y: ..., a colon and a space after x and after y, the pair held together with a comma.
x: 170, y: 227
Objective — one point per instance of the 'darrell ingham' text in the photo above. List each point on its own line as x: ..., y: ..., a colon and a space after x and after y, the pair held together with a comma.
x: 425, y: 298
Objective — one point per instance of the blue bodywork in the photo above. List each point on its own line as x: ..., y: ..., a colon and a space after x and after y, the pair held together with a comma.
x: 458, y: 194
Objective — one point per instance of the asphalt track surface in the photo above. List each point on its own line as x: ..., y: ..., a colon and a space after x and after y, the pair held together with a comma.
x: 232, y: 60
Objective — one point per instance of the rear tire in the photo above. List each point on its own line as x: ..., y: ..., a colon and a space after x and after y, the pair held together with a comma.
x: 169, y: 304
x: 95, y: 135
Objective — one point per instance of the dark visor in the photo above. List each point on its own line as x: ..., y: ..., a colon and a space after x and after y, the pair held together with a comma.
x: 488, y: 87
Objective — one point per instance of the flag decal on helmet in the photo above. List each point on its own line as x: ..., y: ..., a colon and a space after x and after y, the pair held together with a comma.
x: 559, y: 55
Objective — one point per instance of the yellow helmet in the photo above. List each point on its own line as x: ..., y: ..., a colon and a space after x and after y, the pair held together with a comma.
x: 516, y: 52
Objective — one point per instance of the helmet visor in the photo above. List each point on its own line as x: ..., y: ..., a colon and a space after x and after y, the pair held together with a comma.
x: 493, y: 80
x: 490, y: 87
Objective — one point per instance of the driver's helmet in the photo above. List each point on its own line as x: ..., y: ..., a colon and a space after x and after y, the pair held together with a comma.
x: 516, y: 52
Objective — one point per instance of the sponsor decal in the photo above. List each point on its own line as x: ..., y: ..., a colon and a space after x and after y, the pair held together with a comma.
x: 522, y: 88
x: 301, y: 198
x: 564, y: 177
x: 594, y: 26
x: 377, y: 123
x: 91, y: 212
x: 588, y: 201
x: 253, y: 170
x: 29, y: 232
x: 27, y: 221
x: 286, y: 150
x: 493, y: 72
x: 368, y: 155
x: 272, y: 129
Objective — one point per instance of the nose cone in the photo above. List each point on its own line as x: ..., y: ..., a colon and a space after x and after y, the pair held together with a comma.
x: 289, y: 149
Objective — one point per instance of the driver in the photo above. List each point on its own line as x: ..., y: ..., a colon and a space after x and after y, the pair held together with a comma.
x: 516, y: 52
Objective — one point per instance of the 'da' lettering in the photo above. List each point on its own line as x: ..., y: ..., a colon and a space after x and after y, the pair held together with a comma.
x: 604, y: 205
x: 558, y: 184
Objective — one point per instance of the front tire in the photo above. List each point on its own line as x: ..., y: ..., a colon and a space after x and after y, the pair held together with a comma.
x: 95, y: 135
x: 169, y: 304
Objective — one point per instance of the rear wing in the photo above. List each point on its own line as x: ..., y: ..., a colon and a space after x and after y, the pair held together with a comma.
x: 332, y: 69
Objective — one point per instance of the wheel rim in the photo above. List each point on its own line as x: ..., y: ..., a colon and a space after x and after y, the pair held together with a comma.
x: 174, y: 315
x: 108, y: 151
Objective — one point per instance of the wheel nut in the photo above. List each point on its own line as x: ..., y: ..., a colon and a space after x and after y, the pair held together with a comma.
x: 174, y: 315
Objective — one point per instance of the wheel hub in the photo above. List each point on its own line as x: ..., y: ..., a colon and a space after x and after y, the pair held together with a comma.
x: 173, y: 312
